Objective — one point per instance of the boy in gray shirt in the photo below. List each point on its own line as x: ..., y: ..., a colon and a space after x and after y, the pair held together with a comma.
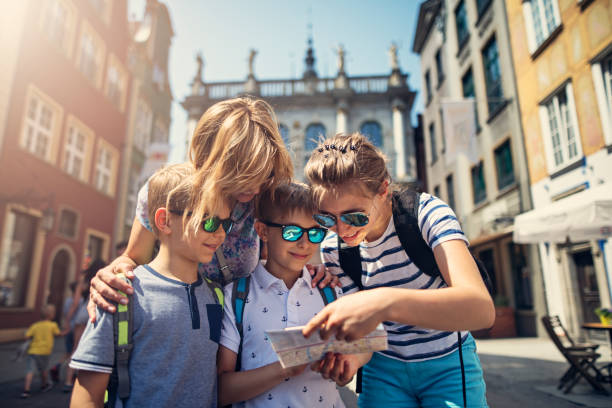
x: 176, y: 314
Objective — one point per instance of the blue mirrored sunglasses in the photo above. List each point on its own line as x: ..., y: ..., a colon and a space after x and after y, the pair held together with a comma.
x: 355, y: 219
x: 292, y: 233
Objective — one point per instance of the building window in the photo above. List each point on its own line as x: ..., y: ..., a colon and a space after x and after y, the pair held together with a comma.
x: 450, y: 191
x: 68, y: 222
x: 58, y: 23
x: 432, y: 143
x: 17, y: 252
x: 490, y: 60
x: 77, y: 150
x: 439, y: 67
x: 461, y: 21
x: 106, y: 168
x: 602, y: 80
x: 132, y: 196
x: 96, y: 246
x: 436, y: 191
x: 559, y: 121
x: 542, y: 18
x: 158, y: 77
x: 91, y: 54
x: 314, y: 132
x: 478, y: 184
x: 142, y: 127
x: 373, y: 132
x: 103, y: 9
x: 467, y: 82
x: 428, y: 87
x: 482, y: 6
x: 116, y: 82
x: 503, y: 163
x: 160, y: 132
x: 41, y: 125
x: 284, y: 132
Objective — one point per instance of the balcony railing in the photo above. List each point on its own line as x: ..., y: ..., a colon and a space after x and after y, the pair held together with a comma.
x: 293, y: 87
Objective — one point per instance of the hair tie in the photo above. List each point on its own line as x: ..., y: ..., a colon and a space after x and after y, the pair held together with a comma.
x: 326, y: 147
x: 320, y: 150
x: 353, y: 148
x: 333, y: 147
x: 343, y: 150
x: 326, y: 156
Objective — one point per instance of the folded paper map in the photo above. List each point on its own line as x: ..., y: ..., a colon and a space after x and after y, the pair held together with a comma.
x: 293, y: 349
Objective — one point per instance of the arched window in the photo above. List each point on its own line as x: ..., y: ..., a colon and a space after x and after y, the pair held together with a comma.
x: 314, y: 132
x: 284, y: 131
x: 373, y: 132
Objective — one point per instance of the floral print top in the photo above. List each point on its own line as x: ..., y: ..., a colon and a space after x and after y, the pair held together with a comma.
x: 240, y: 248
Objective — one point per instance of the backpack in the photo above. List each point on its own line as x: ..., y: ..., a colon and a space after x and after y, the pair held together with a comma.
x: 123, y: 328
x: 405, y: 207
x: 240, y: 292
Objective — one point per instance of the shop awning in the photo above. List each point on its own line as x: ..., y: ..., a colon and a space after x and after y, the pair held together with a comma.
x: 580, y: 217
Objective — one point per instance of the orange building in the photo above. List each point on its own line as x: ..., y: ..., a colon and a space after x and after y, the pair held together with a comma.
x: 63, y: 96
x: 562, y: 52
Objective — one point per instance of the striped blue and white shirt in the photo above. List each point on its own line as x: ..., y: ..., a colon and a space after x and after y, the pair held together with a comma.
x: 385, y: 263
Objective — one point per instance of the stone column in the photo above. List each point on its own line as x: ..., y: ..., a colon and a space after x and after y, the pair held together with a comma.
x: 398, y: 107
x: 342, y: 117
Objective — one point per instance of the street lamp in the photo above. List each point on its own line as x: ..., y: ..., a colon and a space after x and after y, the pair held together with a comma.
x: 48, y: 218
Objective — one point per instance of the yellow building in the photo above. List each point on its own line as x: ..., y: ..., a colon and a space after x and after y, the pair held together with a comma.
x: 562, y: 55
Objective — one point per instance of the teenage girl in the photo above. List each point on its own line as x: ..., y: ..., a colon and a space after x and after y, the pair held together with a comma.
x: 421, y: 314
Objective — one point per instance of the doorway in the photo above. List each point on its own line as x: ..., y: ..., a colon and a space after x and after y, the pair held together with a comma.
x: 588, y: 289
x: 60, y: 268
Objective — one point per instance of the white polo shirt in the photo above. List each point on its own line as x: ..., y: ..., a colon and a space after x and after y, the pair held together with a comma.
x: 271, y: 306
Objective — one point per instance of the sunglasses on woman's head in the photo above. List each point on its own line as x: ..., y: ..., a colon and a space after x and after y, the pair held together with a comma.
x: 354, y: 219
x: 293, y: 233
x: 211, y: 224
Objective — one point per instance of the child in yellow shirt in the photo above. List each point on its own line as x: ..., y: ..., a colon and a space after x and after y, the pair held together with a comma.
x: 42, y: 334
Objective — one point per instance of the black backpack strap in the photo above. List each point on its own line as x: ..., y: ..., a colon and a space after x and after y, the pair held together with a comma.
x: 350, y: 262
x: 240, y: 292
x: 405, y: 206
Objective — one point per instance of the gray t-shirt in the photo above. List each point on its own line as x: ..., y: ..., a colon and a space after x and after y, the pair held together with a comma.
x: 176, y: 332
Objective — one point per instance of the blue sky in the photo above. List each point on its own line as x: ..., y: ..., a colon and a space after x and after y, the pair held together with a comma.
x: 225, y: 31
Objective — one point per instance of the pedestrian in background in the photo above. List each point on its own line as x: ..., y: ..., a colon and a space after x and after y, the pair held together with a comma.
x: 43, y: 335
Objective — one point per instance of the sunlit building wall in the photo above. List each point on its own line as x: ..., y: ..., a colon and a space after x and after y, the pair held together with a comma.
x: 63, y: 101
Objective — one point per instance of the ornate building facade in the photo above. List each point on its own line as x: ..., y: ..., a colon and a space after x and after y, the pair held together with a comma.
x: 310, y: 107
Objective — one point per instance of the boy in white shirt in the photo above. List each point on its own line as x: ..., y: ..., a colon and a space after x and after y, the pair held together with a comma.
x: 279, y: 296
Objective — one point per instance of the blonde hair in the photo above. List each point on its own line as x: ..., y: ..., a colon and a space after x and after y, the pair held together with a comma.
x: 235, y: 148
x: 343, y: 159
x: 169, y: 187
x: 285, y: 200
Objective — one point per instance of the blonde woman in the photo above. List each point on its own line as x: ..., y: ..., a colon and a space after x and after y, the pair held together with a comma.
x: 431, y: 360
x: 237, y: 152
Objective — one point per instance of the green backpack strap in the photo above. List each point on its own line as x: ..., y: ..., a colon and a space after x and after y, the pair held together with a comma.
x: 123, y: 328
x: 216, y: 289
x: 240, y: 292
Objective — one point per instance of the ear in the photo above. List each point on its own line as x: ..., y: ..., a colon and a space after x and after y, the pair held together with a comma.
x: 162, y: 220
x: 383, y: 190
x: 262, y: 230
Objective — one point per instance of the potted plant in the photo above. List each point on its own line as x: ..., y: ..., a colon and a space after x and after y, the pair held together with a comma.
x: 505, y: 322
x: 604, y: 314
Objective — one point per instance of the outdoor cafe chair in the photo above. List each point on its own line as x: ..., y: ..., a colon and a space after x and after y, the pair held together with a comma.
x: 581, y: 358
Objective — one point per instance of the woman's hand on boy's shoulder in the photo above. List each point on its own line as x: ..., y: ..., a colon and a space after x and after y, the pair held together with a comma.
x: 106, y: 283
x: 322, y: 277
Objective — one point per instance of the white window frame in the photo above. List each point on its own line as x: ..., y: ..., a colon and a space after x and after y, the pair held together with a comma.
x: 69, y: 27
x: 107, y: 158
x: 143, y: 126
x: 562, y: 126
x: 97, y: 53
x: 530, y: 24
x: 71, y: 152
x: 116, y: 80
x: 602, y: 81
x: 51, y: 134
